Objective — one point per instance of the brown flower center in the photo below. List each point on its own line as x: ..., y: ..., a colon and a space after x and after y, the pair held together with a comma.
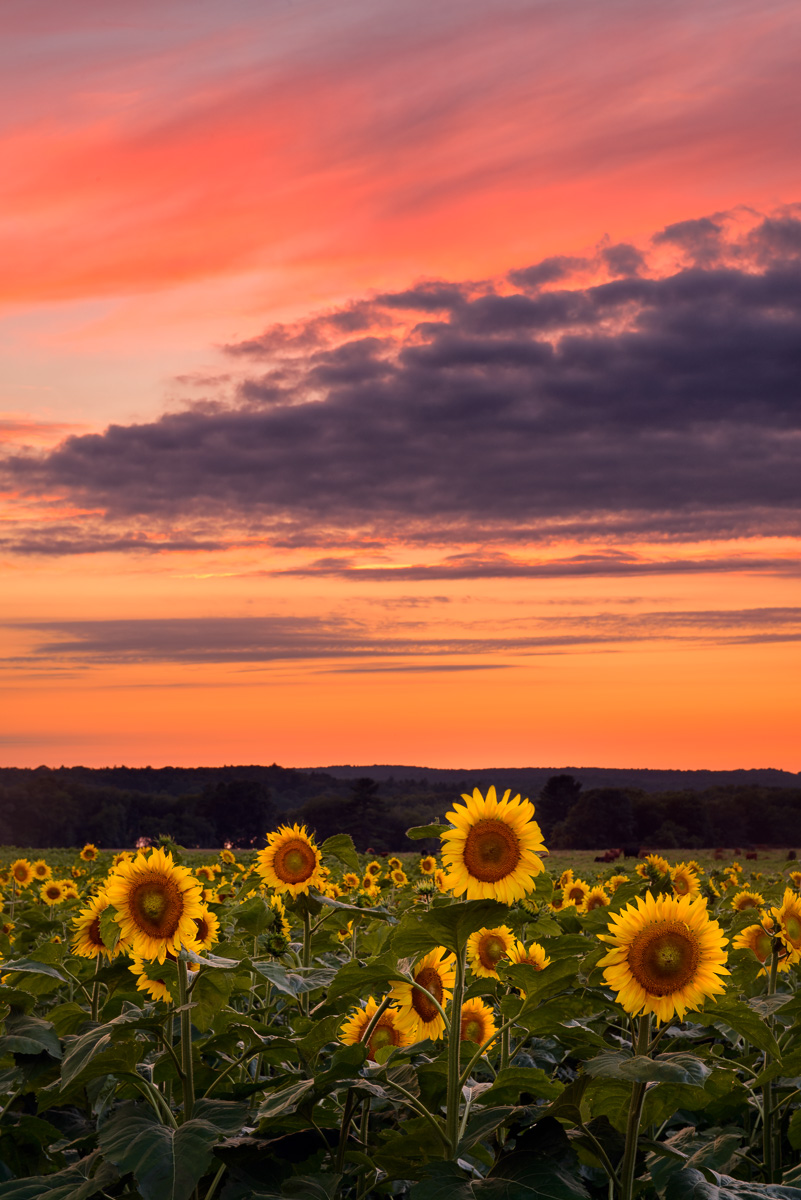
x: 202, y: 928
x: 294, y: 861
x: 430, y: 979
x: 156, y: 907
x: 576, y: 892
x: 491, y: 949
x: 491, y: 850
x: 792, y: 929
x: 93, y: 934
x: 384, y: 1034
x: 596, y: 901
x: 473, y: 1029
x: 664, y: 957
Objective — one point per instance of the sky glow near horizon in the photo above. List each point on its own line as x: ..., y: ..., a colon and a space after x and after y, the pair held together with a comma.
x: 401, y: 383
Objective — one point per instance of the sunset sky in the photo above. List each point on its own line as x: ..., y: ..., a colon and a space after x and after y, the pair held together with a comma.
x: 400, y: 383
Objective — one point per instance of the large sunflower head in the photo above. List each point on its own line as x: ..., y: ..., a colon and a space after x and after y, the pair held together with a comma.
x: 788, y: 919
x: 22, y: 872
x: 478, y: 1022
x: 667, y: 956
x: 493, y: 850
x: 157, y: 903
x: 86, y: 940
x: 417, y: 1014
x: 53, y: 892
x: 41, y: 871
x: 486, y: 948
x: 685, y: 881
x: 746, y: 899
x: 386, y: 1033
x: 290, y: 862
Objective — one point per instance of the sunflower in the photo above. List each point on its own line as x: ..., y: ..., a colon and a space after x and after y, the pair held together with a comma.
x: 157, y: 903
x: 566, y: 878
x: 290, y: 862
x: 795, y: 879
x: 666, y: 957
x: 333, y: 891
x: 394, y: 864
x: 123, y: 856
x: 486, y: 948
x: 685, y: 881
x: 41, y: 871
x: 279, y: 908
x: 441, y: 880
x: 493, y: 851
x: 86, y: 940
x: 345, y: 934
x: 227, y: 856
x: 373, y: 868
x: 89, y: 852
x: 205, y: 873
x: 478, y: 1022
x: 615, y: 882
x: 576, y: 893
x: 418, y: 1016
x: 788, y: 918
x: 399, y: 879
x: 534, y: 956
x: 350, y: 881
x: 659, y: 863
x: 208, y: 928
x: 157, y: 989
x: 386, y: 1033
x: 53, y: 892
x: 596, y: 898
x: 22, y: 872
x: 756, y: 938
x: 428, y: 864
x: 70, y: 890
x: 745, y: 900
x: 557, y: 902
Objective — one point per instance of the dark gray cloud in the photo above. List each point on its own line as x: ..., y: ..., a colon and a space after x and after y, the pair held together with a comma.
x: 639, y: 407
x: 271, y: 639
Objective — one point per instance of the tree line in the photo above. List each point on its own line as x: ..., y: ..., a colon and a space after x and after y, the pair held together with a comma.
x: 209, y: 807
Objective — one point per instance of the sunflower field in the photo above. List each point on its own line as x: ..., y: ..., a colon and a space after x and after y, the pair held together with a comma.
x: 306, y: 1022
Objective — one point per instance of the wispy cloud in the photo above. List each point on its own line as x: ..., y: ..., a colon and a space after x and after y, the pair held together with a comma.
x: 660, y: 406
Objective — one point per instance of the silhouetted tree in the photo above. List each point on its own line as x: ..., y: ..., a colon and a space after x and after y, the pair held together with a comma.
x: 556, y: 799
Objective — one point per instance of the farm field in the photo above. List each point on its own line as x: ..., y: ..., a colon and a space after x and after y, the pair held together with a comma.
x: 488, y: 1023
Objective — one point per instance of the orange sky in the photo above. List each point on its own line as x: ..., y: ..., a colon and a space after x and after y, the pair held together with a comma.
x: 181, y: 181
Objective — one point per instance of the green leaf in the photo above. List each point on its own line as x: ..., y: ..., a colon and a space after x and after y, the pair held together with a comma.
x: 295, y: 983
x: 210, y: 993
x: 26, y: 965
x: 690, y: 1184
x: 166, y: 1163
x: 285, y: 1099
x: 483, y: 1123
x: 794, y: 1130
x: 734, y: 1014
x: 26, y: 1034
x: 105, y: 1043
x: 109, y: 928
x: 73, y: 1183
x: 363, y: 979
x: 254, y: 916
x: 226, y: 1115
x: 341, y: 847
x: 418, y: 832
x: 511, y: 1081
x: 448, y: 925
x: 666, y: 1068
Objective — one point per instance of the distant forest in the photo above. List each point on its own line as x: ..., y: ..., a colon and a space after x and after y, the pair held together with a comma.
x: 208, y: 807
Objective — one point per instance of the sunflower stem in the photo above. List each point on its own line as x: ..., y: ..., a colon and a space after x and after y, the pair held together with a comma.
x: 306, y: 959
x: 635, y: 1113
x: 186, y: 1040
x: 505, y: 1047
x: 454, y: 1061
x: 96, y: 989
x: 768, y: 1140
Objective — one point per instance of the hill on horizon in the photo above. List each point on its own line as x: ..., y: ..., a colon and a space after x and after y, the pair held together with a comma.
x: 534, y: 778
